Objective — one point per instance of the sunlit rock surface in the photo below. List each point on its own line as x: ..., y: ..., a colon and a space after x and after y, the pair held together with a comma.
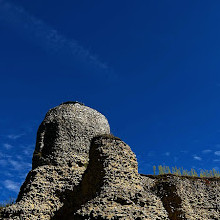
x: 60, y: 158
x: 81, y: 171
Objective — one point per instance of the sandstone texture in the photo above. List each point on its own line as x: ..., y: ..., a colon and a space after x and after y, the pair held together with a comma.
x: 186, y: 197
x: 111, y: 187
x: 80, y: 171
x: 60, y: 158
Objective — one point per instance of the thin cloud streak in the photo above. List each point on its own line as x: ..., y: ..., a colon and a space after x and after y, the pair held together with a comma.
x: 206, y: 151
x: 7, y: 146
x: 15, y: 136
x: 19, y: 166
x: 28, y: 150
x: 197, y: 158
x: 217, y: 153
x: 3, y: 163
x: 167, y: 154
x: 3, y: 155
x: 11, y: 185
x: 46, y: 36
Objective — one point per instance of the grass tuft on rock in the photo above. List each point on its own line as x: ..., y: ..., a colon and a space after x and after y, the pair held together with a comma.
x: 184, y: 172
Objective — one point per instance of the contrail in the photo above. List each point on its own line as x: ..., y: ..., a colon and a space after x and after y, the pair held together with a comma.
x: 47, y: 37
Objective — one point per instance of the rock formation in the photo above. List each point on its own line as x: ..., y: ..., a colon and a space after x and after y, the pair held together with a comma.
x: 59, y: 160
x: 81, y: 171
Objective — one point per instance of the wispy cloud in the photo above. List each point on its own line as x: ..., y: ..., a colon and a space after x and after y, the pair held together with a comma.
x: 197, y: 158
x: 3, y: 163
x: 8, y: 174
x: 206, y: 151
x: 47, y: 37
x: 11, y: 185
x: 7, y: 146
x: 167, y: 154
x: 15, y: 136
x: 3, y: 155
x: 19, y: 165
x: 15, y: 164
x: 217, y: 153
x: 28, y: 150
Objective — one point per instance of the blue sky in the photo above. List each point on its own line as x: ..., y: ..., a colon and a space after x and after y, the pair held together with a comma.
x: 151, y: 67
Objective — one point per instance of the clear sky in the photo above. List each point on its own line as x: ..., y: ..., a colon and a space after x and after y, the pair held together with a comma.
x: 151, y: 67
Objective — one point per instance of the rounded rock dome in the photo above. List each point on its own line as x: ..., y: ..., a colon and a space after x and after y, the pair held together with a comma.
x: 64, y: 136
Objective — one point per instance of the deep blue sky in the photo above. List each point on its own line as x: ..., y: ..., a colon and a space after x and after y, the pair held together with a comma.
x: 151, y: 67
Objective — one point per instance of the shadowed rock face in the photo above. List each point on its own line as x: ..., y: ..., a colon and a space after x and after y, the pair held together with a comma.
x: 111, y: 187
x: 81, y: 172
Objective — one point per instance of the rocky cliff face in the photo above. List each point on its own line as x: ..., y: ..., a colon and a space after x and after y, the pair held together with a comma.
x: 80, y: 171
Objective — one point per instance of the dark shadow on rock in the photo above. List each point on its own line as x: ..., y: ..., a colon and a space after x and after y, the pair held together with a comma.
x: 46, y: 138
x: 172, y: 202
x: 89, y: 188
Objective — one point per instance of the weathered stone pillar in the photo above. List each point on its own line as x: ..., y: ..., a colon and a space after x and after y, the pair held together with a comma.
x: 60, y: 158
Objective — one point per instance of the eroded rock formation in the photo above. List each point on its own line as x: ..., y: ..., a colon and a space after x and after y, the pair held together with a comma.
x: 111, y: 187
x: 60, y: 158
x: 80, y: 171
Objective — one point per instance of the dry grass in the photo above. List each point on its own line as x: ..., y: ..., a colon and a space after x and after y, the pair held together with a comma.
x: 184, y: 172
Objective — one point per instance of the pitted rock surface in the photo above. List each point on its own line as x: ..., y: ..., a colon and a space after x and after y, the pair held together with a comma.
x: 59, y: 160
x: 64, y: 136
x: 81, y: 172
x: 111, y: 187
x: 186, y: 197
